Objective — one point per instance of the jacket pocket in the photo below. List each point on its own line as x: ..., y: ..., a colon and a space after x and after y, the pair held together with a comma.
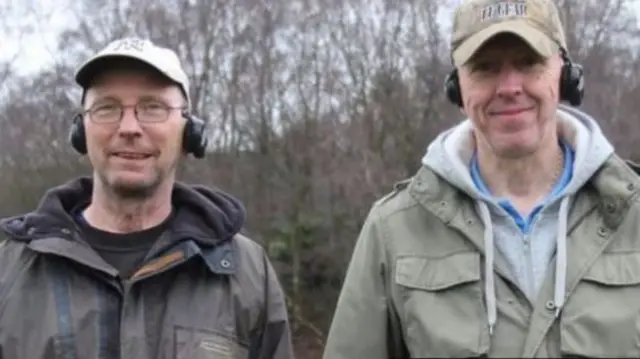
x: 442, y: 305
x: 601, y: 318
x: 204, y: 344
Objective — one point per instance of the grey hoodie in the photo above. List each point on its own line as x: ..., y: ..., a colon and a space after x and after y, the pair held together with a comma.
x: 450, y: 154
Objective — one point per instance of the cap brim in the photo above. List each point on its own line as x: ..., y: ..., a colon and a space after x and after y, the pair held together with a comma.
x: 536, y: 39
x: 92, y: 67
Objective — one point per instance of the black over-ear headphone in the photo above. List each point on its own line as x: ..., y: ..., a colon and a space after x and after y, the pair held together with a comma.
x: 194, y: 137
x: 571, y: 84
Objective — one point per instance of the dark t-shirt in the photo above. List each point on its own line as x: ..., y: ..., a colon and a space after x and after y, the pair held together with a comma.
x: 123, y: 251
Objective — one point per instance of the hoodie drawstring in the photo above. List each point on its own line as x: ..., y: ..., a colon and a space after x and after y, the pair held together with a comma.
x: 489, y: 286
x: 561, y: 256
x: 561, y: 262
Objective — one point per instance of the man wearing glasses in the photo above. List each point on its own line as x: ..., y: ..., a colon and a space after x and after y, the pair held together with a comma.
x: 129, y: 263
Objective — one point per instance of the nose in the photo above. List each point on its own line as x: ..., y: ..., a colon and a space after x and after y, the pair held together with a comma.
x: 129, y: 125
x: 510, y: 82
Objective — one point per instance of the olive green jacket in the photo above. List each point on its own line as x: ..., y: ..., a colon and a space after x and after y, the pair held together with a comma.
x: 415, y: 284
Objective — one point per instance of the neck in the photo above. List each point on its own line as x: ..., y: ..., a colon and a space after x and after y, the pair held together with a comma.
x: 524, y: 181
x: 111, y: 213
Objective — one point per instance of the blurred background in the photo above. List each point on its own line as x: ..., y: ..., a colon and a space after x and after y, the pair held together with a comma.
x: 317, y: 107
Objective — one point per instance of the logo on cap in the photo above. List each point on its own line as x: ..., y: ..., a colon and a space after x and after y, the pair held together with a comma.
x: 503, y: 9
x: 131, y: 44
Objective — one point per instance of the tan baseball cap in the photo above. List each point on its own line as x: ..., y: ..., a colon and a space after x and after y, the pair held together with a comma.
x: 164, y: 60
x: 535, y: 21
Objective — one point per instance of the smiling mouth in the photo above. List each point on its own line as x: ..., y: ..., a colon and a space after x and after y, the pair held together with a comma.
x: 510, y: 112
x: 131, y: 155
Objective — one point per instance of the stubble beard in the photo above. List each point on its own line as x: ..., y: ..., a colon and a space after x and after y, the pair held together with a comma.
x: 133, y: 191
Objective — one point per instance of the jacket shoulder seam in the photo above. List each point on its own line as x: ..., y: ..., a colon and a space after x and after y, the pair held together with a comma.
x: 394, y: 205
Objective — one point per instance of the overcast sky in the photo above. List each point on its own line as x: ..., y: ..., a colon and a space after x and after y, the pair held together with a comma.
x: 47, y: 18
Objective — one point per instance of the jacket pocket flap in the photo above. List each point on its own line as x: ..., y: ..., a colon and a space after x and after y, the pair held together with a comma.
x: 616, y: 269
x: 434, y: 274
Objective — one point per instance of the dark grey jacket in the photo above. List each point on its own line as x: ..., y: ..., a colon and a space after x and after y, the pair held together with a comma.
x: 205, y: 291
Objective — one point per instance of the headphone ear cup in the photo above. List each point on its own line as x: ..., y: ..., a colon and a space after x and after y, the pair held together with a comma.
x: 194, y: 139
x: 452, y: 88
x: 77, y: 136
x: 572, y: 83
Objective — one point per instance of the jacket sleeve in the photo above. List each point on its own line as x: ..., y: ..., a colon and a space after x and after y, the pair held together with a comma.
x: 276, y: 341
x: 363, y: 325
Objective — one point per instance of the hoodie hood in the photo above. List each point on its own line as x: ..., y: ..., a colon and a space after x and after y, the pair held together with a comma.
x: 450, y: 154
x: 206, y: 215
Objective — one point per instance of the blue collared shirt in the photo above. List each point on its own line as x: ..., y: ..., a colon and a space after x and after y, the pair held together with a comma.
x: 524, y: 223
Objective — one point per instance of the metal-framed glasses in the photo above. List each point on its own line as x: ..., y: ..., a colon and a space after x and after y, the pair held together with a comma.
x: 146, y: 111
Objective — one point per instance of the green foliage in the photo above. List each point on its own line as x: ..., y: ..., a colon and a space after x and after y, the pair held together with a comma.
x: 302, y: 233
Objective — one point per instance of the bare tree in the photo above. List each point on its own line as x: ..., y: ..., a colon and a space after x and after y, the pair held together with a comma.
x: 316, y: 108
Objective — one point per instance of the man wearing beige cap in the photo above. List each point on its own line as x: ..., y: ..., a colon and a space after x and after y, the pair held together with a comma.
x: 520, y: 234
x: 130, y: 263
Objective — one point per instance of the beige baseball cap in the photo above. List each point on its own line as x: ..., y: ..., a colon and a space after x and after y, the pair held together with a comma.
x: 535, y: 21
x: 162, y: 59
